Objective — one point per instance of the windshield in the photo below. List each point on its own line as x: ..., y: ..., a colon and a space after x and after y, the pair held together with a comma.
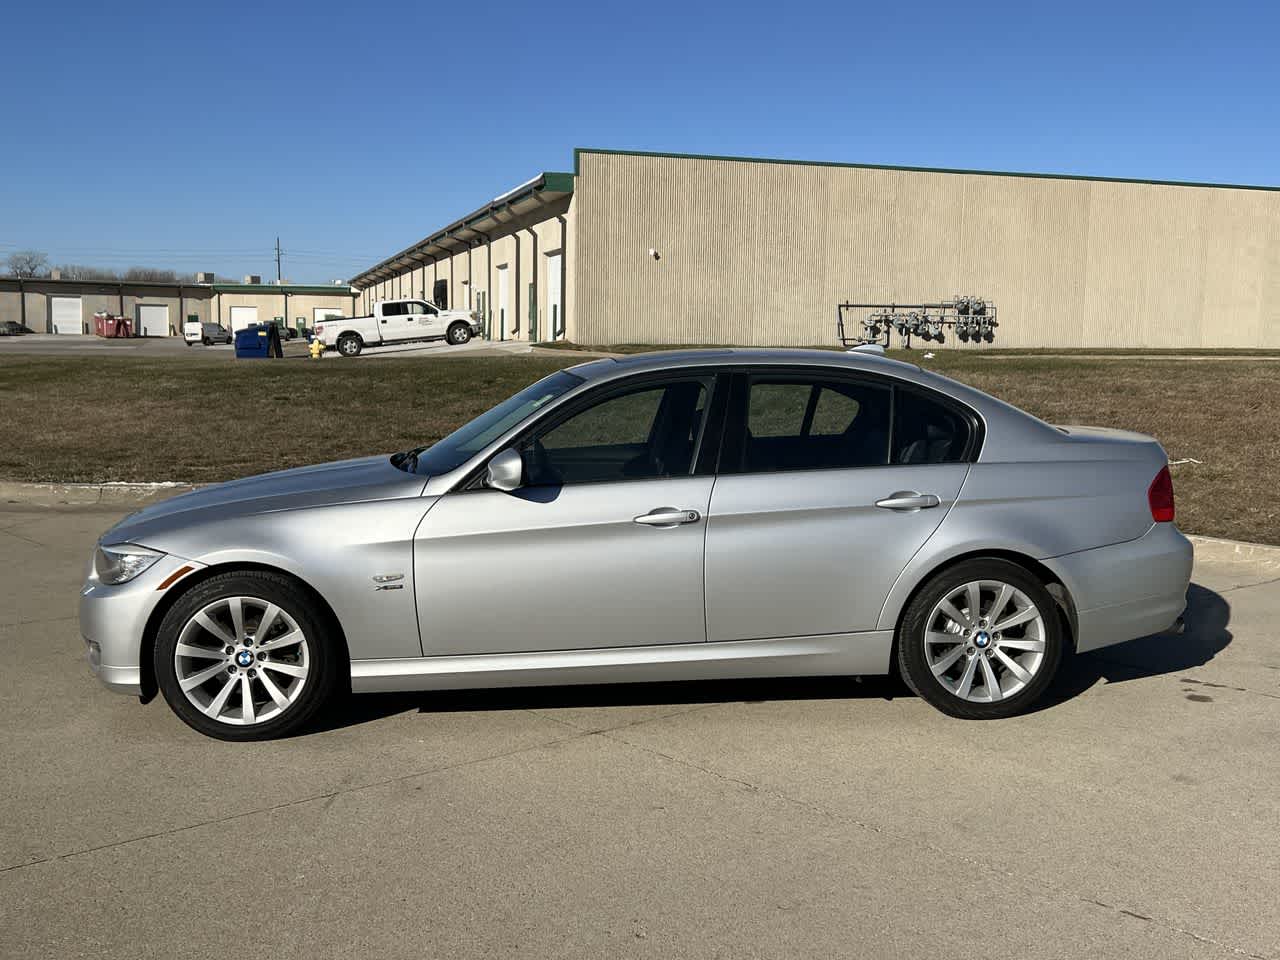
x: 465, y: 442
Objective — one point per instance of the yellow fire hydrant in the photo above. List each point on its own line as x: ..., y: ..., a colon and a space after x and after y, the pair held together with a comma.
x: 316, y: 348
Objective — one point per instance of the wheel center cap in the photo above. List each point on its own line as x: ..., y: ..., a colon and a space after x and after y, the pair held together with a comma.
x: 244, y: 658
x: 982, y: 639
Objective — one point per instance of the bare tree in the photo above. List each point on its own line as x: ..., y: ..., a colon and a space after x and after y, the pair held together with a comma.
x: 152, y: 274
x: 80, y: 271
x: 27, y: 263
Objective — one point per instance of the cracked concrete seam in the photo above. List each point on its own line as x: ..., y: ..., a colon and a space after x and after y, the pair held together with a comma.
x: 329, y: 795
x: 1046, y: 886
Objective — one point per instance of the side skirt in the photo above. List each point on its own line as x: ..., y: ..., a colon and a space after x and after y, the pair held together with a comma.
x: 841, y: 654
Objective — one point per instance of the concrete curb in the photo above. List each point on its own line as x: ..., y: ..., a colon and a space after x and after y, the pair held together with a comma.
x: 88, y: 494
x: 1215, y: 550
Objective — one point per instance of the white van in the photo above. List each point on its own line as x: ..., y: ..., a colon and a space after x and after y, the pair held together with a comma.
x: 207, y: 332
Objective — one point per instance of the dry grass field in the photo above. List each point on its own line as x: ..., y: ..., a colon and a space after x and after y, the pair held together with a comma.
x: 174, y: 418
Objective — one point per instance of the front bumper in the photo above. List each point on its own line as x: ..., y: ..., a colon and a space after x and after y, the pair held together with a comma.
x: 113, y: 619
x: 1127, y: 590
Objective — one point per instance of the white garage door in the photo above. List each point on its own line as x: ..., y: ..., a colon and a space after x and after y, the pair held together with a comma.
x: 64, y: 314
x: 321, y: 314
x: 153, y: 319
x: 242, y: 317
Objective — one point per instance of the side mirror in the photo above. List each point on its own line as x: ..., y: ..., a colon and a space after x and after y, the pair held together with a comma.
x: 506, y: 470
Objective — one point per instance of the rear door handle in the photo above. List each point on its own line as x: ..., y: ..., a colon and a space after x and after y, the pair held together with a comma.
x: 668, y: 517
x: 908, y: 500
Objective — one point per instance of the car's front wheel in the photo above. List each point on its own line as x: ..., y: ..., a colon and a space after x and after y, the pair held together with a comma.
x: 981, y: 640
x: 244, y: 656
x: 459, y: 334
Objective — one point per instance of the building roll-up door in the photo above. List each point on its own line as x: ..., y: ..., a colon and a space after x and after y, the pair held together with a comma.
x: 555, y: 299
x: 242, y: 317
x: 153, y: 320
x: 65, y: 315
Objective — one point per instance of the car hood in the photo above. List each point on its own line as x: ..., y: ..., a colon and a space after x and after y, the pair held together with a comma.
x: 326, y: 484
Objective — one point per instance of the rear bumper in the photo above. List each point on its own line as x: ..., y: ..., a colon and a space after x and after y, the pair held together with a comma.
x: 1127, y: 590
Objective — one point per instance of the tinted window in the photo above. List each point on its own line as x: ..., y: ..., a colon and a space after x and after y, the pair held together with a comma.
x: 641, y: 434
x: 394, y: 309
x: 925, y: 431
x: 805, y: 424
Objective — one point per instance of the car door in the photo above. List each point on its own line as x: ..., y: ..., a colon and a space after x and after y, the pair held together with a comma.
x: 394, y: 321
x: 828, y: 484
x: 602, y: 545
x: 428, y: 319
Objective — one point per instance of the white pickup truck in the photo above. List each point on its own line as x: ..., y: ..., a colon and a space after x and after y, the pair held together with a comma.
x: 397, y: 321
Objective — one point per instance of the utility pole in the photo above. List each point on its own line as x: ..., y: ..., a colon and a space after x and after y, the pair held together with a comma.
x: 277, y: 259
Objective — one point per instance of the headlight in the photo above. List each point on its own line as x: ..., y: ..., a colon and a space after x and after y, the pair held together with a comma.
x: 122, y: 562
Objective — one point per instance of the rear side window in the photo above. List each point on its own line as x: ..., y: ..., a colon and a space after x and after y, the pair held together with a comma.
x: 798, y: 423
x: 394, y: 309
x: 925, y: 431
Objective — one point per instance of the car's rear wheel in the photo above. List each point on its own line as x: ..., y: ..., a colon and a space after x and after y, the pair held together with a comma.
x: 244, y: 656
x: 459, y: 334
x: 350, y: 345
x: 981, y: 640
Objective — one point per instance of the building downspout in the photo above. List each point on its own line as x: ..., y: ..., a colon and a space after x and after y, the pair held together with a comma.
x: 564, y: 279
x: 533, y: 283
x: 515, y: 306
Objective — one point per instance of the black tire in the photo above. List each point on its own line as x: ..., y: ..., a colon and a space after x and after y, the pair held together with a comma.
x: 322, y: 647
x: 206, y: 342
x: 459, y: 334
x: 911, y: 657
x: 350, y: 345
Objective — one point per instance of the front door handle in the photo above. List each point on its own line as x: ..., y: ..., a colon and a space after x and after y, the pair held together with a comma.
x: 668, y: 517
x: 908, y: 500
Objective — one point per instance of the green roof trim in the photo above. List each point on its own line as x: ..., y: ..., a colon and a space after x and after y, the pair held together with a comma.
x: 579, y: 151
x: 310, y: 289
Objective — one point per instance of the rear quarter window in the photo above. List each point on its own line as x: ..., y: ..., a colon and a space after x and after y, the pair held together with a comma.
x: 926, y: 430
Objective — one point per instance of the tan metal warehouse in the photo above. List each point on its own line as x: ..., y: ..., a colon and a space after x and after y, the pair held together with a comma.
x: 158, y: 309
x: 664, y: 248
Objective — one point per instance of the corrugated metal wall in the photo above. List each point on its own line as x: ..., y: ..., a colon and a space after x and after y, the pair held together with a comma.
x: 752, y: 252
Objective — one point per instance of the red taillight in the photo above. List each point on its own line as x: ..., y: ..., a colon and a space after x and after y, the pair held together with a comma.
x: 1160, y: 496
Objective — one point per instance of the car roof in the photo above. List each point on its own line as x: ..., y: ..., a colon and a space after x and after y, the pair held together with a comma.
x: 608, y: 368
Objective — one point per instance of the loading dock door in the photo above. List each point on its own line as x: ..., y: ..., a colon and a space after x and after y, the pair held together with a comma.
x: 153, y: 319
x: 242, y: 317
x: 504, y: 301
x: 321, y: 314
x: 64, y: 315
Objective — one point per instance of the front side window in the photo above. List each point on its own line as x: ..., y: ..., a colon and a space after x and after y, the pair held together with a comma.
x: 803, y: 423
x: 468, y: 440
x: 643, y: 433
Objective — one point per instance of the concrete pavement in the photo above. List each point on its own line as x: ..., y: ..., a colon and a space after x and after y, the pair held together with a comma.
x: 1137, y: 815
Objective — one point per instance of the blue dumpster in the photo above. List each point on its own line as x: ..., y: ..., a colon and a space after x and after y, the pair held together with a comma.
x: 258, y: 340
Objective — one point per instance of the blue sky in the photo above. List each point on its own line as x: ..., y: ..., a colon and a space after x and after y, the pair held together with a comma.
x: 190, y: 135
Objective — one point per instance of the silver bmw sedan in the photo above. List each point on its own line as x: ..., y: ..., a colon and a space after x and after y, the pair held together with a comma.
x: 674, y: 516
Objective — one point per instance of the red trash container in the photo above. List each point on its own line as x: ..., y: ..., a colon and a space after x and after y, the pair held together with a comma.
x: 108, y: 325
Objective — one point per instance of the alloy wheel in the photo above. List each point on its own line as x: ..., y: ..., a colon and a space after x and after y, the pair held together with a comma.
x: 984, y: 641
x: 242, y: 660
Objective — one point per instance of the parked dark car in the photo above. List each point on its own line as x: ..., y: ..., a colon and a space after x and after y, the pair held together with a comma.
x: 12, y: 328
